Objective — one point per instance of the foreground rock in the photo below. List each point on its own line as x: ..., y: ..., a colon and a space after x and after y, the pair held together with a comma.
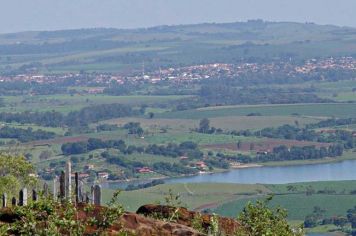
x: 227, y: 226
x: 140, y: 225
x: 132, y: 223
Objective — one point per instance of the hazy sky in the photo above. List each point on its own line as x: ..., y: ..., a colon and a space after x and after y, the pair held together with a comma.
x: 22, y: 15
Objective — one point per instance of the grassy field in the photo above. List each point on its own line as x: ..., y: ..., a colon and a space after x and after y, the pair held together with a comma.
x: 193, y: 196
x: 66, y: 103
x: 340, y: 91
x: 230, y: 199
x: 316, y: 110
x: 297, y: 205
x: 350, y: 155
x: 225, y: 123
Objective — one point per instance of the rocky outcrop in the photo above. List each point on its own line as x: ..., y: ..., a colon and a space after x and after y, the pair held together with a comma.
x: 145, y: 226
x: 185, y: 217
x: 147, y: 221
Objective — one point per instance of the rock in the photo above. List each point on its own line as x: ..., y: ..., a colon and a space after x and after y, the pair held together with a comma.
x: 227, y: 226
x: 141, y: 223
x: 7, y: 216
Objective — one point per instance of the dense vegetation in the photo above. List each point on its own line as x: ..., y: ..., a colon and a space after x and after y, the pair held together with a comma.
x: 15, y: 173
x: 283, y: 153
x: 25, y: 135
x: 224, y: 94
x: 83, y: 117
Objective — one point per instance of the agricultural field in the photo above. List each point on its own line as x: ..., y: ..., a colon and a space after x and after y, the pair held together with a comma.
x: 230, y: 199
x: 164, y: 127
x: 223, y: 122
x: 342, y: 110
x: 65, y: 103
x: 262, y: 144
x: 193, y: 196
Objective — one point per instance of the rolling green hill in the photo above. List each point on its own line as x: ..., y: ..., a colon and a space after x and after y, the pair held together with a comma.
x: 126, y: 50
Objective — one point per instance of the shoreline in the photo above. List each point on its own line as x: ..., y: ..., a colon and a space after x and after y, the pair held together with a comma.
x: 348, y: 156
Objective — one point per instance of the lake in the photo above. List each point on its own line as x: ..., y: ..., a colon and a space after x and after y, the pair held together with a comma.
x: 344, y: 170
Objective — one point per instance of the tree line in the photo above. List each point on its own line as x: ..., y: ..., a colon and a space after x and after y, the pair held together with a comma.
x: 283, y: 153
x: 171, y: 150
x: 25, y: 135
x: 83, y: 117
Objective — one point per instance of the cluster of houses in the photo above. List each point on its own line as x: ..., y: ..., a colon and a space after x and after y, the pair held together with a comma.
x: 189, y: 73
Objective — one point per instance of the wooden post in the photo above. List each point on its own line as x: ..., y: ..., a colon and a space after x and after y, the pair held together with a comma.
x: 92, y: 194
x: 81, y: 192
x: 4, y: 200
x: 77, y: 194
x: 23, y: 197
x: 68, y: 181
x: 87, y: 199
x: 97, y: 195
x: 45, y: 190
x: 13, y: 202
x: 62, y: 186
x: 55, y: 196
x: 34, y: 195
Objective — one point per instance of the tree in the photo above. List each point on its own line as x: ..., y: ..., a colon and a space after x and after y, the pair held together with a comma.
x: 45, y: 155
x: 15, y: 173
x: 151, y: 115
x: 239, y: 145
x: 204, y: 125
x: 309, y: 190
x: 2, y: 104
x: 340, y: 221
x: 291, y: 188
x: 310, y: 221
x: 351, y: 216
x: 259, y: 219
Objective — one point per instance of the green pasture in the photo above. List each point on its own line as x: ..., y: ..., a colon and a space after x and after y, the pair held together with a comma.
x: 317, y: 110
x: 230, y: 199
x: 198, y: 138
x: 192, y: 195
x: 297, y: 205
x: 66, y: 103
x: 225, y: 122
x: 58, y: 131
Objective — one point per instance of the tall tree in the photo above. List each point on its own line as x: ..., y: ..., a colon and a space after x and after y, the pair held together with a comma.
x: 204, y: 125
x: 15, y: 173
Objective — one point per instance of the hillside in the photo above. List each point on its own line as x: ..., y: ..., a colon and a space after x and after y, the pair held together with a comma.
x: 114, y: 50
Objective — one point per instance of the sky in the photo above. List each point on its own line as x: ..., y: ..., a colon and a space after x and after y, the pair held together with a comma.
x: 28, y: 15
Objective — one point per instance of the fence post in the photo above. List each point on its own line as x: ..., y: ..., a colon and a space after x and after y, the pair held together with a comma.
x: 81, y: 191
x: 45, y: 189
x: 4, y: 200
x: 76, y: 188
x: 62, y: 186
x: 92, y: 194
x: 34, y: 195
x: 97, y: 195
x: 13, y: 202
x: 23, y: 197
x: 55, y: 180
x: 68, y: 181
x: 87, y: 199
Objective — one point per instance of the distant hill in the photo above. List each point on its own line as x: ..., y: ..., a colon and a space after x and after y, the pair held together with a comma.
x: 115, y: 50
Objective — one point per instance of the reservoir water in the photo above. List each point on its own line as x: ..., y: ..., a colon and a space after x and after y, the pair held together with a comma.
x: 345, y: 170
